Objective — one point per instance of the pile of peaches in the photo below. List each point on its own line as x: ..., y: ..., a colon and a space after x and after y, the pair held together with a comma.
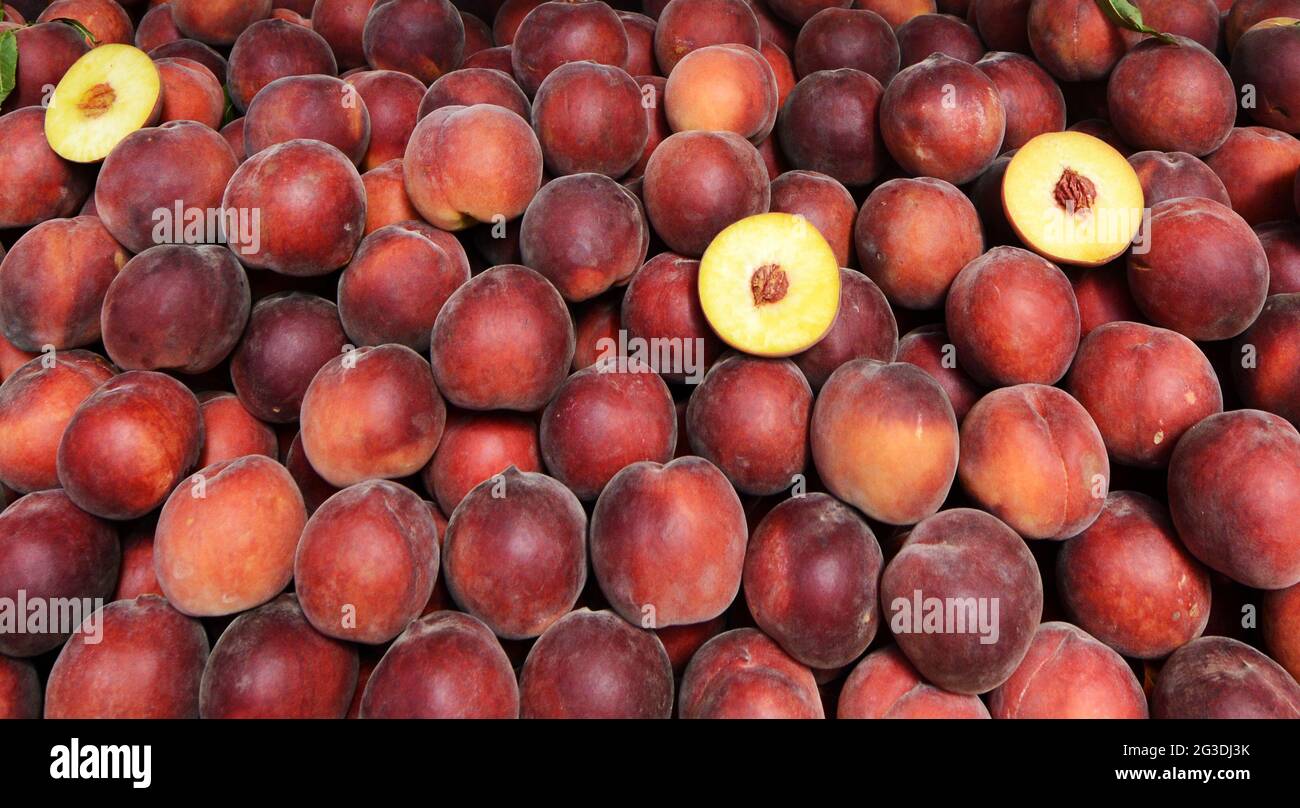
x: 543, y: 358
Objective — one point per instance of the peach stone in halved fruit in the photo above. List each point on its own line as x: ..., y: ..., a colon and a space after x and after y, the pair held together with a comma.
x: 106, y: 95
x: 1073, y: 198
x: 770, y: 285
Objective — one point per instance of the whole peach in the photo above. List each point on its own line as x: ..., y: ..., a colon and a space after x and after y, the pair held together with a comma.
x: 367, y: 562
x: 812, y: 570
x: 129, y: 443
x: 270, y: 663
x: 1032, y: 456
x: 226, y: 537
x: 594, y: 665
x: 1128, y: 580
x: 668, y: 542
x: 504, y: 340
x: 354, y: 406
x: 1234, y: 482
x: 517, y: 530
x: 444, y: 665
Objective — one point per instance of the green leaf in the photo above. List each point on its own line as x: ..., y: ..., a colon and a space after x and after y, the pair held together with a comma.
x: 1126, y: 15
x: 81, y: 29
x: 8, y: 64
x: 228, y: 113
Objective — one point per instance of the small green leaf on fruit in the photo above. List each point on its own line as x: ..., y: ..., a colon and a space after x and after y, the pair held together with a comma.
x: 1126, y: 15
x: 8, y: 64
x: 81, y: 29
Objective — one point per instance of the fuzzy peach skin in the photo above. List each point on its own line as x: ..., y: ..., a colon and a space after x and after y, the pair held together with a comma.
x: 320, y: 108
x: 1032, y: 100
x: 750, y: 418
x: 1168, y: 175
x: 564, y: 32
x: 129, y: 444
x: 106, y: 20
x: 830, y: 123
x: 929, y: 348
x: 53, y: 282
x: 38, y: 184
x: 476, y: 446
x: 1234, y: 494
x: 1172, y: 97
x: 821, y: 200
x: 353, y: 407
x: 1218, y: 677
x: 697, y: 183
x: 36, y: 403
x: 812, y: 572
x: 311, y: 205
x: 230, y: 431
x: 865, y: 327
x: 516, y: 532
x: 20, y: 689
x: 914, y: 236
x: 585, y: 233
x: 1032, y: 456
x: 465, y: 165
x: 1258, y: 166
x: 595, y: 665
x: 270, y: 663
x: 847, y: 37
x: 1013, y: 318
x: 743, y: 673
x: 218, y: 22
x: 148, y: 664
x: 444, y: 665
x: 1144, y: 387
x: 884, y: 439
x: 1270, y: 382
x: 49, y: 549
x: 270, y: 50
x: 668, y: 542
x: 590, y: 118
x: 178, y: 163
x: 1067, y: 673
x: 723, y: 88
x: 342, y: 24
x: 190, y: 92
x: 1129, y: 582
x: 885, y: 685
x: 425, y: 38
x: 393, y: 101
x: 176, y: 307
x: 45, y: 52
x: 604, y: 418
x: 1280, y: 621
x: 1178, y: 281
x: 504, y: 340
x: 693, y: 24
x: 226, y: 537
x: 964, y: 553
x: 928, y: 134
x: 289, y: 337
x: 475, y: 85
x: 367, y: 562
x: 662, y: 301
x: 395, y: 286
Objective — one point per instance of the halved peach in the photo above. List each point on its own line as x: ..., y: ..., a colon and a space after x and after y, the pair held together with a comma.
x: 1072, y: 198
x: 106, y: 95
x: 770, y: 285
